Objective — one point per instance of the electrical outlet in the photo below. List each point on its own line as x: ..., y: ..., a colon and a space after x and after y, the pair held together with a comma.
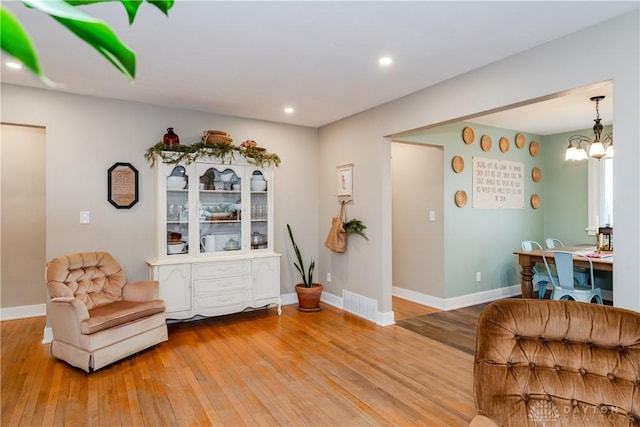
x: 432, y: 215
x: 328, y: 277
x: 85, y: 217
x: 478, y: 276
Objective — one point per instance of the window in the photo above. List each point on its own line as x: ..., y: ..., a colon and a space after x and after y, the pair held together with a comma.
x: 600, y: 196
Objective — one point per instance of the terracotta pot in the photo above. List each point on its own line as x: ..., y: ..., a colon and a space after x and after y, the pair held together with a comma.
x: 309, y: 298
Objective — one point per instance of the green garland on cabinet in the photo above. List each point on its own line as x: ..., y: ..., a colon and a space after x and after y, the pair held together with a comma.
x: 187, y: 154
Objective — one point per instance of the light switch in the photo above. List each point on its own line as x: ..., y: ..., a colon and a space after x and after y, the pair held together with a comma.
x: 432, y: 215
x: 85, y: 217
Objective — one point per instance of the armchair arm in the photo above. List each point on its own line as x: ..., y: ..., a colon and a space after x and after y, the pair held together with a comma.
x: 66, y: 315
x: 142, y: 290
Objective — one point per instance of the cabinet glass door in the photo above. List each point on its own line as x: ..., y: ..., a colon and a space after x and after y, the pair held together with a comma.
x: 259, y: 211
x: 220, y: 218
x: 177, y: 219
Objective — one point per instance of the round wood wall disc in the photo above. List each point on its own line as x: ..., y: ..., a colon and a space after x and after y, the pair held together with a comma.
x: 534, y: 148
x: 485, y: 143
x: 457, y: 164
x: 504, y: 144
x: 519, y: 140
x: 468, y: 135
x: 536, y: 174
x: 535, y: 201
x: 461, y: 198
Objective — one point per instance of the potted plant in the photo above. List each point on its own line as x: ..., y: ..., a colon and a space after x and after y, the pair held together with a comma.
x: 308, y: 292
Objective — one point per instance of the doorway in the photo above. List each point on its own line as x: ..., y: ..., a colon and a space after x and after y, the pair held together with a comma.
x: 417, y: 176
x: 22, y: 215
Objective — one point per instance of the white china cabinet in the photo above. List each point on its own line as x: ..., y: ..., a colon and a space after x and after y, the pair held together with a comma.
x: 213, y: 249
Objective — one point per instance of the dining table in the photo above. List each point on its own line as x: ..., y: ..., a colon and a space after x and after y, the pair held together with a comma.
x: 527, y: 259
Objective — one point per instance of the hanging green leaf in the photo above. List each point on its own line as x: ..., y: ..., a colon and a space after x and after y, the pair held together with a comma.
x: 91, y: 30
x: 16, y: 42
x: 163, y: 5
x: 131, y: 6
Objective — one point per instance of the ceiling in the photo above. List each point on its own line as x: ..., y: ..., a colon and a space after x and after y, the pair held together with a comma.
x: 252, y: 59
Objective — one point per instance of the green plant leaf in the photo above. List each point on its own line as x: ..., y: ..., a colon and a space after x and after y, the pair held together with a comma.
x: 131, y: 6
x: 163, y: 5
x: 91, y: 30
x: 16, y: 42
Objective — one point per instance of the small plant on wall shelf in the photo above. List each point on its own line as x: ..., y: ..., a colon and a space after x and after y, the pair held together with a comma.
x: 355, y: 226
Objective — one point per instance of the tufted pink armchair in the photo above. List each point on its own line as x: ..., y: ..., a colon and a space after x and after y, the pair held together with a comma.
x: 556, y: 363
x: 97, y: 317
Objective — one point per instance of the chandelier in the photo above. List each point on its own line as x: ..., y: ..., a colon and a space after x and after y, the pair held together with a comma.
x: 599, y: 146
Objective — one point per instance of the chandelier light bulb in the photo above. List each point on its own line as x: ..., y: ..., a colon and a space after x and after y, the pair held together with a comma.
x: 596, y: 150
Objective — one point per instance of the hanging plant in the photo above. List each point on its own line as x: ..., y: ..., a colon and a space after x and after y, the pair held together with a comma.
x: 355, y: 226
x: 186, y: 154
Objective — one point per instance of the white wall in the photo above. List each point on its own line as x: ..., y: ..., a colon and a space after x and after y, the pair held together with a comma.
x: 607, y: 51
x: 87, y: 135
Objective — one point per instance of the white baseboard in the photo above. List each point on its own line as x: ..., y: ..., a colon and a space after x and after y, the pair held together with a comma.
x: 22, y: 312
x: 447, y: 304
x: 47, y: 336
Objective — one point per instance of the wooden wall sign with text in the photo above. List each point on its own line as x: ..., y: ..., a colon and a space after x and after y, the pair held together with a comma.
x: 123, y: 185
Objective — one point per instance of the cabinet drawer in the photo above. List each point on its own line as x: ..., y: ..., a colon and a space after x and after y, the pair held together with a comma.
x: 222, y: 284
x: 221, y: 269
x: 223, y: 300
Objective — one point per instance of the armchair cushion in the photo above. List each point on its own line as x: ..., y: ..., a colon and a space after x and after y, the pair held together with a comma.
x: 118, y: 313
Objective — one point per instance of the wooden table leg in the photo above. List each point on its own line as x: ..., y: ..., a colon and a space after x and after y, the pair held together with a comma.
x: 526, y: 284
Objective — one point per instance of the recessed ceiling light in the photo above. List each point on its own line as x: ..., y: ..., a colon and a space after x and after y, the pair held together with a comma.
x: 288, y: 110
x: 14, y: 65
x: 385, y: 60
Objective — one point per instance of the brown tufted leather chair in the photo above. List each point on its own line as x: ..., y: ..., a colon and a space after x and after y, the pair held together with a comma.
x: 556, y: 363
x: 97, y: 317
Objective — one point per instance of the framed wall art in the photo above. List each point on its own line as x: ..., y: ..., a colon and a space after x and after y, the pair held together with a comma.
x: 345, y: 180
x: 122, y: 185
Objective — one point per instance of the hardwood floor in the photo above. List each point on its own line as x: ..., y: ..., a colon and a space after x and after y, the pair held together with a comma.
x: 300, y: 369
x: 403, y: 308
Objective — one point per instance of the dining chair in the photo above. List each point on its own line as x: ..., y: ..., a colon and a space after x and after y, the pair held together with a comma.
x: 540, y: 278
x: 564, y: 286
x: 580, y: 275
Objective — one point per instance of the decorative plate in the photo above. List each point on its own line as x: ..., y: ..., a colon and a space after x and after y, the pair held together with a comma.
x: 461, y: 198
x: 534, y: 148
x: 457, y: 164
x: 468, y: 135
x: 485, y: 143
x: 535, y: 201
x: 504, y: 144
x: 536, y: 174
x: 519, y: 140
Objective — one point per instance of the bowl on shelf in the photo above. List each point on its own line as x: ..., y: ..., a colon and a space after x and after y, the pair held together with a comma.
x: 258, y: 185
x: 175, y: 248
x: 176, y: 182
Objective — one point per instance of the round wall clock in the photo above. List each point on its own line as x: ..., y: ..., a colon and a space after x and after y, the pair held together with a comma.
x: 504, y: 144
x: 519, y: 140
x: 468, y: 135
x: 457, y: 163
x: 485, y: 143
